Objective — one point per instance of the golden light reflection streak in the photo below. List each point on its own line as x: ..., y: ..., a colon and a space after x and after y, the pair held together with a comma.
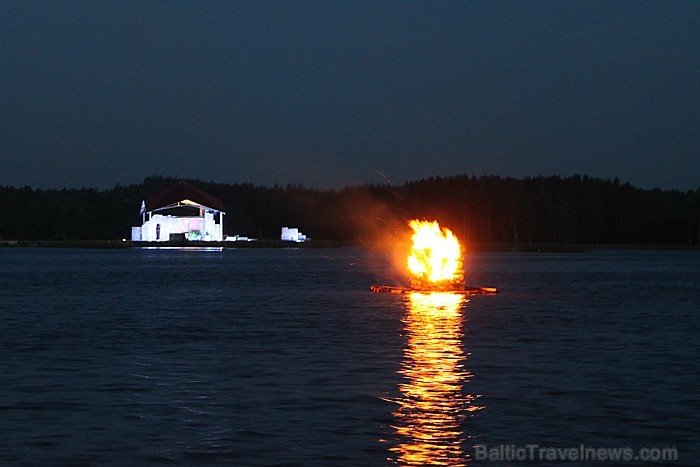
x: 429, y: 421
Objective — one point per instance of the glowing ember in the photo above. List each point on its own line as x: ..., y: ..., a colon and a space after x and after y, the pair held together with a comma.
x: 435, y: 259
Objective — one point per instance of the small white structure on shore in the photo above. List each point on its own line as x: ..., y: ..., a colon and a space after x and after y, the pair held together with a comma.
x: 292, y: 234
x: 180, y: 212
x: 238, y: 238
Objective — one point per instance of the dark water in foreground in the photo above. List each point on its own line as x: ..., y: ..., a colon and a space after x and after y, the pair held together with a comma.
x: 283, y: 357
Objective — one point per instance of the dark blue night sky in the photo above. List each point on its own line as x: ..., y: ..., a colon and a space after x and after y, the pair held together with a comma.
x: 329, y: 93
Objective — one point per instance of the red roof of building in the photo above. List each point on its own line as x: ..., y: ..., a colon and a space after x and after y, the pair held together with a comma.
x: 179, y: 192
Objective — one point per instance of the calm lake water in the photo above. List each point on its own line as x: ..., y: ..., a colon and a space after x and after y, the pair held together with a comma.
x: 284, y: 357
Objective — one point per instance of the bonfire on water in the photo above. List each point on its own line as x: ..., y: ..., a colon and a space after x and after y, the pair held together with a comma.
x: 435, y: 260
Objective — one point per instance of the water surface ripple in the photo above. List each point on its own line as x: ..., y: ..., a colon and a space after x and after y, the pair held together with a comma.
x: 283, y: 357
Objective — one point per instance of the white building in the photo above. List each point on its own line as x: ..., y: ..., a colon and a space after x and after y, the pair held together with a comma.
x: 292, y: 234
x: 180, y: 212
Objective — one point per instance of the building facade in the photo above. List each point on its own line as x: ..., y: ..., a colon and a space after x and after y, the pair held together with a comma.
x: 181, y: 212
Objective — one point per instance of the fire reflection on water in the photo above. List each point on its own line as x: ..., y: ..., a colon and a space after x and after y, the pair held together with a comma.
x: 430, y: 417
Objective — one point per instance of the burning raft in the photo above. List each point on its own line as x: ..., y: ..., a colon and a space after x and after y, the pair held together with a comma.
x: 435, y: 262
x: 434, y: 288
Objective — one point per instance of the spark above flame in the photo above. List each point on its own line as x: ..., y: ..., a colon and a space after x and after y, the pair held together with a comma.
x: 436, y: 254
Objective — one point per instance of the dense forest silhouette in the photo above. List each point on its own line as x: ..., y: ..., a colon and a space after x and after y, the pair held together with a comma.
x: 486, y: 209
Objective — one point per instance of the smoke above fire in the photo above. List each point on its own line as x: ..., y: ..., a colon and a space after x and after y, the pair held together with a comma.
x: 434, y: 253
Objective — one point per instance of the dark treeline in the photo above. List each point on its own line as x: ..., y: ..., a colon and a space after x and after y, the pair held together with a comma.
x: 574, y: 210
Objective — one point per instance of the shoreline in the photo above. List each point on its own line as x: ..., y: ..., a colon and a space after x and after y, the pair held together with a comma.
x: 474, y: 247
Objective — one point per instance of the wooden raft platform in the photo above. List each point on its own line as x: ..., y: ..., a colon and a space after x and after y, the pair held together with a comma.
x: 465, y: 290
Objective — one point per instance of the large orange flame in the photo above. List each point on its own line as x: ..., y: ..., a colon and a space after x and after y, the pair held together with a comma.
x: 436, y: 255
